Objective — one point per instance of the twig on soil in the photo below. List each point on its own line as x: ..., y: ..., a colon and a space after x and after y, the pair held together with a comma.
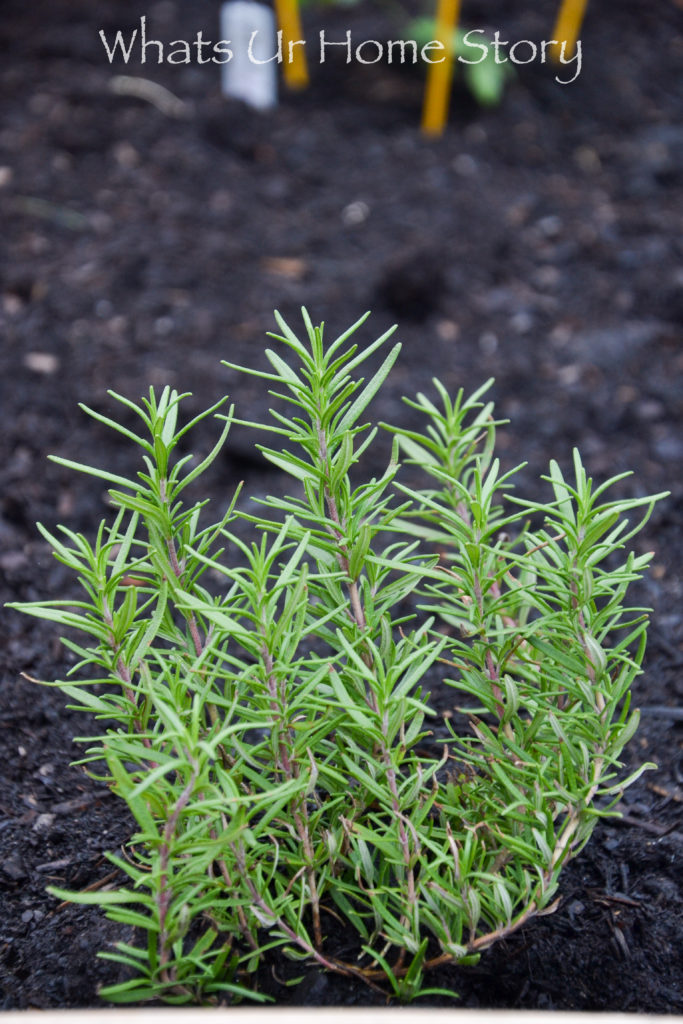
x: 54, y: 213
x: 158, y: 95
x: 99, y: 884
x: 607, y: 898
x: 670, y: 794
x: 648, y: 826
x: 663, y: 711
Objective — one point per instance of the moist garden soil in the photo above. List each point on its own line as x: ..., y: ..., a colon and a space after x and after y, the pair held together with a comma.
x: 538, y: 242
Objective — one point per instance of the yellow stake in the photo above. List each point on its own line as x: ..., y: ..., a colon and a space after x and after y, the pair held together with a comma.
x: 294, y: 68
x: 568, y: 26
x: 439, y: 76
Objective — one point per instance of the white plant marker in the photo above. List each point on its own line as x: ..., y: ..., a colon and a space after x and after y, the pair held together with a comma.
x: 250, y: 27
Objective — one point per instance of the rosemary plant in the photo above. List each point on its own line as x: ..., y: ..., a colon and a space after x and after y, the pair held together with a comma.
x: 263, y: 706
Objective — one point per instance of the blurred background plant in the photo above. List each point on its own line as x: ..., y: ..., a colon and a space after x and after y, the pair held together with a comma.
x: 486, y: 79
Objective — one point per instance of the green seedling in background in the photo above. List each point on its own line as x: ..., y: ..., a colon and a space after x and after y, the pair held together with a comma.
x: 486, y: 79
x: 260, y: 684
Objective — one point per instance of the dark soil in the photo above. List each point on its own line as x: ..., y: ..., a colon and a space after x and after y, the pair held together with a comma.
x: 539, y: 243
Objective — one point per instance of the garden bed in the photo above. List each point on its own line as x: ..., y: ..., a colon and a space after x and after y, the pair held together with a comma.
x: 538, y: 242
